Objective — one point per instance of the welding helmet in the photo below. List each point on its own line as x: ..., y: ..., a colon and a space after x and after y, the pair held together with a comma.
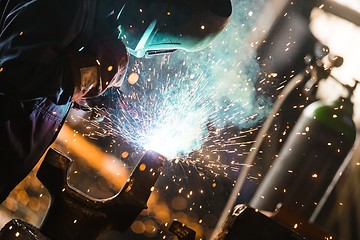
x: 150, y: 27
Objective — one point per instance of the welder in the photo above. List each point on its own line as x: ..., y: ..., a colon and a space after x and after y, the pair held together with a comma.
x: 56, y: 53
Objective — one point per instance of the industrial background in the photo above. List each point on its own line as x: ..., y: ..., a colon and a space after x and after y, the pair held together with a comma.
x: 251, y: 68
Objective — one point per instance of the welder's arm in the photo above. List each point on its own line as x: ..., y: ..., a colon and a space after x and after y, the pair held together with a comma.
x: 39, y: 59
x: 33, y: 58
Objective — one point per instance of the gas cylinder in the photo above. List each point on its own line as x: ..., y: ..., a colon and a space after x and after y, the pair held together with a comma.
x: 309, y: 159
x: 299, y: 93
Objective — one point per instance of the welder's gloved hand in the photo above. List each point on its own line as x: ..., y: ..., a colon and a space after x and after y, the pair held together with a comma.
x: 98, y: 66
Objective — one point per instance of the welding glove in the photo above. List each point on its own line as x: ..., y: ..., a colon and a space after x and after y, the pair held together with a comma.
x: 96, y: 67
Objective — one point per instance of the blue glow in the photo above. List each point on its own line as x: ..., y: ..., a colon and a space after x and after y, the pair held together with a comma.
x: 178, y: 97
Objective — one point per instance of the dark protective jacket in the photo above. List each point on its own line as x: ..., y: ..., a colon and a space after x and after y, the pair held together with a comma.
x: 36, y: 79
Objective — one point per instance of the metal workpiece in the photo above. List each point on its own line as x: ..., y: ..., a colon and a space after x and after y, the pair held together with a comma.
x: 73, y: 215
x: 21, y: 230
x: 182, y: 231
x: 246, y: 222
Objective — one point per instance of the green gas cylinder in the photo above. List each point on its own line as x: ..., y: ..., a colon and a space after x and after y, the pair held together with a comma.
x: 309, y: 159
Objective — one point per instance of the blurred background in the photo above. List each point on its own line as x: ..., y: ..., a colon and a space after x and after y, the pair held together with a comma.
x: 211, y: 108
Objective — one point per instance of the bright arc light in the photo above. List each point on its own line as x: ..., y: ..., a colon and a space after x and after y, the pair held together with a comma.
x: 173, y: 136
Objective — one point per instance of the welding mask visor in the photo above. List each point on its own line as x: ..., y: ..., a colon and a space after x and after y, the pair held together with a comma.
x: 154, y: 27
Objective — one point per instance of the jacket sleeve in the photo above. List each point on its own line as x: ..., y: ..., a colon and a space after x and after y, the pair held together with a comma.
x: 34, y: 40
